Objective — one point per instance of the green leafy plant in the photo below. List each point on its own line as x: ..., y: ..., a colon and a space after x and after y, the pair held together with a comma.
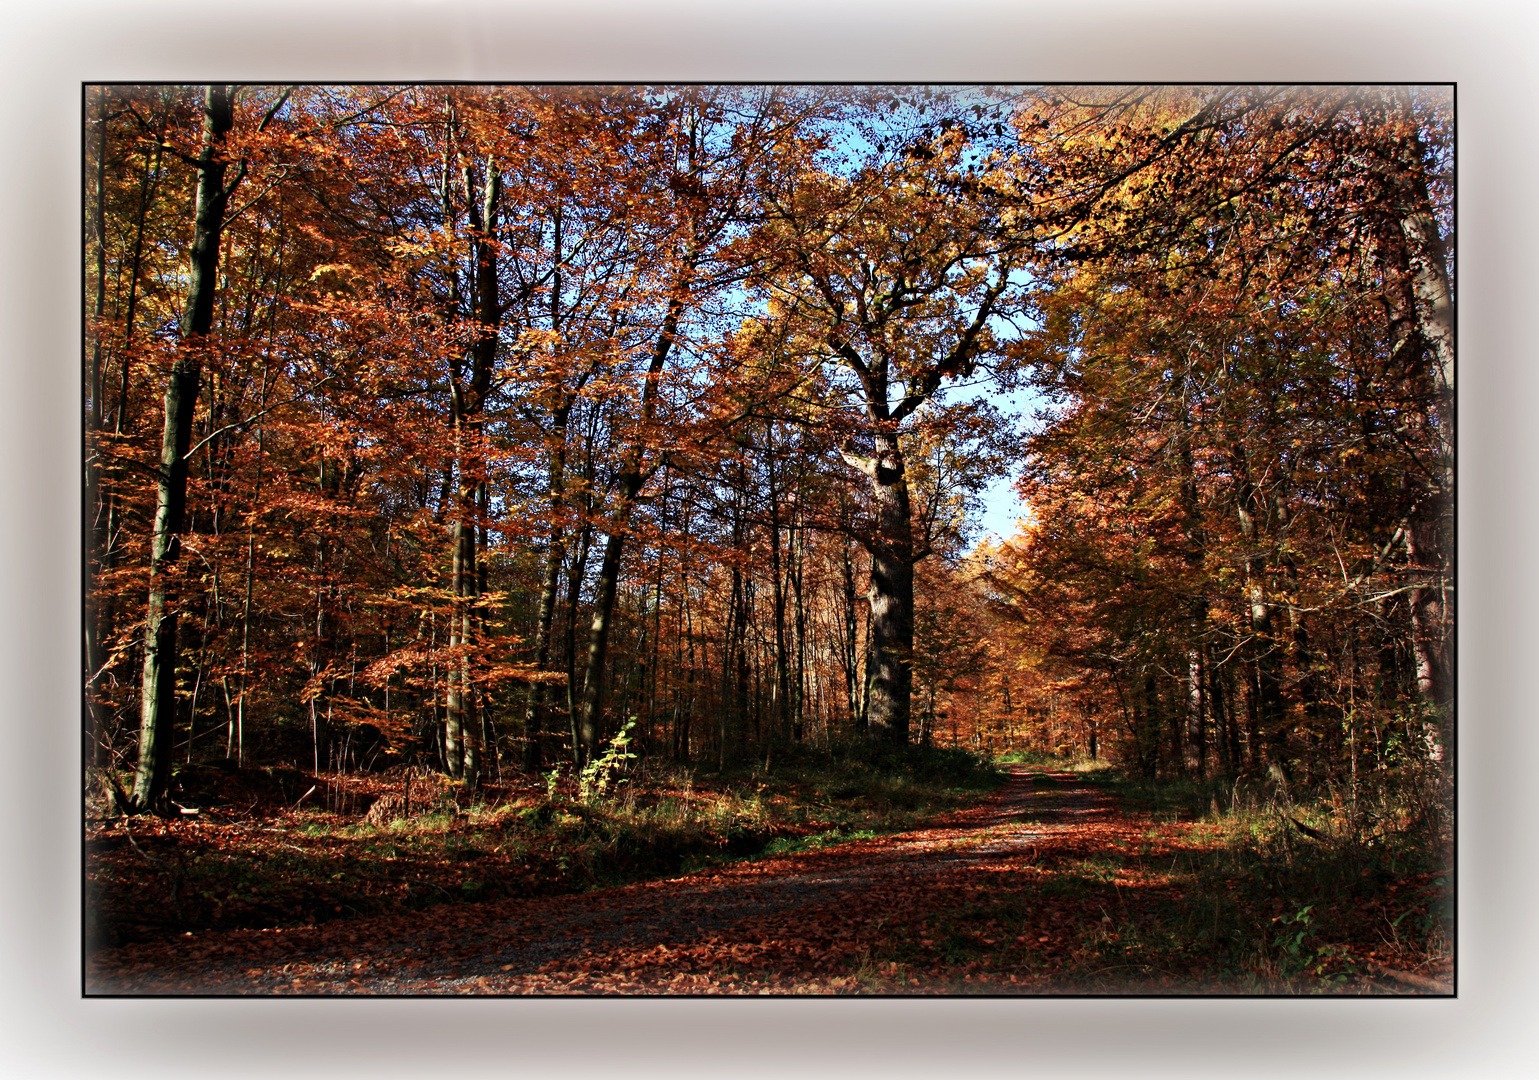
x: 602, y: 775
x: 1294, y: 932
x: 1334, y: 965
x: 1331, y: 964
x: 552, y: 782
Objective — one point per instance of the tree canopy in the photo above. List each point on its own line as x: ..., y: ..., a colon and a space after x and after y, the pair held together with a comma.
x: 462, y: 425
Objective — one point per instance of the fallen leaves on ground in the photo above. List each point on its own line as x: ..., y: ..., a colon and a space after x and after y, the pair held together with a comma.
x: 1032, y: 892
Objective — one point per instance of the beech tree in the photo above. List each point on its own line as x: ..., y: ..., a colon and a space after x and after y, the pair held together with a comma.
x: 158, y: 697
x: 1219, y: 324
x: 473, y: 422
x: 717, y: 144
x: 896, y: 274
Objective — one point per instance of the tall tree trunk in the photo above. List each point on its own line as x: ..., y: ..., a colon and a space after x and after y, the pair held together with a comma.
x: 94, y: 517
x: 799, y: 552
x: 468, y: 399
x: 1153, y: 720
x: 1427, y: 616
x: 651, y: 670
x: 1415, y: 260
x: 1196, y: 700
x: 1254, y: 751
x: 1197, y: 605
x: 684, y: 709
x: 158, y: 694
x: 634, y: 474
x: 235, y: 745
x: 782, y: 685
x: 575, y: 577
x: 683, y: 688
x: 891, y: 596
x: 1221, y: 706
x: 849, y: 639
x: 598, y: 646
x: 1265, y: 653
x: 729, y: 644
x: 539, y: 694
x: 1425, y: 261
x: 454, y: 724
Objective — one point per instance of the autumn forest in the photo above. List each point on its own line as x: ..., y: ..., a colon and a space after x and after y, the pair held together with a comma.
x: 537, y: 457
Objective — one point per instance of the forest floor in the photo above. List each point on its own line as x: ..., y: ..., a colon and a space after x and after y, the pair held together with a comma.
x: 1049, y: 886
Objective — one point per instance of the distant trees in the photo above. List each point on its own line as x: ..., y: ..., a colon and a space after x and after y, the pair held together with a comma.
x: 489, y: 418
x: 1253, y: 427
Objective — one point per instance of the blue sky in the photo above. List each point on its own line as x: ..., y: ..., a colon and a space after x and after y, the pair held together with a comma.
x: 1001, y: 506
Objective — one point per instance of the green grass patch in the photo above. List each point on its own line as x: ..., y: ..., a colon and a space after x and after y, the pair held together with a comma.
x: 1037, y: 758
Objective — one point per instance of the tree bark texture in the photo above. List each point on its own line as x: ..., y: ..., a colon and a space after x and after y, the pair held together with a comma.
x: 891, y: 596
x: 158, y: 693
x: 471, y: 381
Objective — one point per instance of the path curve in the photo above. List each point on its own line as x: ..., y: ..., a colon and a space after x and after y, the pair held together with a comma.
x: 674, y: 935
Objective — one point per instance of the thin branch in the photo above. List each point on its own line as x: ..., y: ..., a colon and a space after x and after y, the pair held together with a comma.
x: 282, y: 175
x: 255, y: 416
x: 267, y: 117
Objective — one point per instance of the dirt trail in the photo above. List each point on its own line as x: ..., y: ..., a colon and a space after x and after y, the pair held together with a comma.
x: 796, y: 923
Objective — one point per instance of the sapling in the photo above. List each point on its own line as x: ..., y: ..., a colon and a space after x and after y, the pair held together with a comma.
x: 601, y: 774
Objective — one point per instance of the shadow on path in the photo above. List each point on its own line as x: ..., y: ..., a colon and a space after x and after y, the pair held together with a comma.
x: 490, y: 947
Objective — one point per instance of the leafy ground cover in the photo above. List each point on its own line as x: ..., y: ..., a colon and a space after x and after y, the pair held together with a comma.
x: 280, y: 848
x: 1166, y: 898
x: 1071, y: 880
x: 1317, y: 889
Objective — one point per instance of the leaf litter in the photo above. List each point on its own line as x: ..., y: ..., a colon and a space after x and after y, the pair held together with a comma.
x: 1034, y: 891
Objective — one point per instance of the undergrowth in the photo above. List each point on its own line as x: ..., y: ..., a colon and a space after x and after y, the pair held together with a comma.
x: 272, y: 848
x: 1313, y: 889
x: 1225, y: 886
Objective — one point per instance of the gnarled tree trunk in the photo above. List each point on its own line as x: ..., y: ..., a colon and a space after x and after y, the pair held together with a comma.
x: 891, y: 595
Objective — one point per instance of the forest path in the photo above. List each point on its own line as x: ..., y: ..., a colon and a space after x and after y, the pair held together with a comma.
x: 798, y: 923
